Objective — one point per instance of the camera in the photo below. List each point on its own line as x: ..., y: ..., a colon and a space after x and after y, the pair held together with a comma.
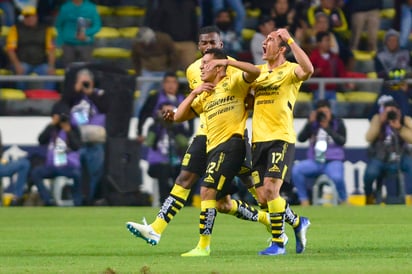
x: 86, y: 84
x: 320, y: 116
x: 392, y: 115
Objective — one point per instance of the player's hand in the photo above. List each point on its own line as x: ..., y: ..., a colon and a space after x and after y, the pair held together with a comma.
x: 283, y: 34
x: 203, y: 87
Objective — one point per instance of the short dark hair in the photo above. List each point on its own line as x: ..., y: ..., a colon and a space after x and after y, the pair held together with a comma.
x: 217, y: 53
x: 391, y: 103
x: 209, y: 29
x: 320, y: 35
x: 322, y: 103
x: 169, y: 74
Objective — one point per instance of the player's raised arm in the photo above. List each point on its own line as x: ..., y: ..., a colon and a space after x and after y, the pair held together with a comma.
x: 305, y: 68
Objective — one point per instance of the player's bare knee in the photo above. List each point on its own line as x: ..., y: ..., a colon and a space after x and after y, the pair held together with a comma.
x: 186, y: 179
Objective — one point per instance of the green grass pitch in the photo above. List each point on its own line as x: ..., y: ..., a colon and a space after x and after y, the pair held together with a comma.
x: 344, y: 239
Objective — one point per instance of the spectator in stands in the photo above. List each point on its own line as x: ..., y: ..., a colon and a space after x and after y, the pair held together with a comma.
x: 397, y: 89
x: 9, y: 16
x: 392, y: 56
x: 231, y: 40
x: 365, y: 13
x: 30, y: 48
x: 77, y: 23
x: 235, y: 6
x: 265, y: 26
x: 337, y: 19
x: 327, y: 64
x: 167, y: 143
x: 337, y: 46
x: 10, y: 167
x: 389, y: 137
x: 47, y: 10
x: 153, y: 54
x: 285, y: 16
x: 89, y: 114
x: 406, y: 24
x: 179, y: 19
x: 63, y: 142
x: 168, y: 93
x: 327, y: 136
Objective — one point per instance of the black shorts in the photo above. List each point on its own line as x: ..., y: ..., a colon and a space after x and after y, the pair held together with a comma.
x: 195, y: 158
x: 224, y: 163
x: 246, y: 168
x: 272, y: 159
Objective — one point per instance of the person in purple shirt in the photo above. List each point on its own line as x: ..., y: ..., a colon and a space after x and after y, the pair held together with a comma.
x: 327, y: 136
x: 88, y: 112
x: 62, y: 157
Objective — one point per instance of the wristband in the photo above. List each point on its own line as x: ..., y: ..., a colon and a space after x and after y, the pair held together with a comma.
x: 290, y: 41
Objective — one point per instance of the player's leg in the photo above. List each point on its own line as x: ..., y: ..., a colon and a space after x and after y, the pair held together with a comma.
x: 224, y: 163
x: 274, y: 161
x: 193, y: 165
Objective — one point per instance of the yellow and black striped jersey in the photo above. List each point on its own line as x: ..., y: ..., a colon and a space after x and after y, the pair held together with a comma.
x: 275, y: 97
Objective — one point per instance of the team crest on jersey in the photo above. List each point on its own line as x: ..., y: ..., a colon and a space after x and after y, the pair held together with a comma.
x: 280, y: 75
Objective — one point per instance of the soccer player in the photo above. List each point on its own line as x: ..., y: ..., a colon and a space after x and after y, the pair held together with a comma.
x: 194, y: 165
x: 273, y: 135
x: 221, y: 99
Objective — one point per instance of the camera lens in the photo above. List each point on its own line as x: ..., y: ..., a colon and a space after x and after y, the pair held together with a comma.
x: 392, y: 115
x: 320, y: 116
x: 86, y: 84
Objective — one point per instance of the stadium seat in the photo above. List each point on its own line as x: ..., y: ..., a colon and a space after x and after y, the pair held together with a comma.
x: 304, y: 96
x: 113, y: 55
x: 5, y: 72
x: 247, y: 34
x: 361, y: 96
x: 128, y: 32
x: 127, y: 36
x: 12, y: 94
x: 364, y: 61
x: 104, y: 10
x: 39, y: 94
x: 129, y: 16
x: 107, y: 37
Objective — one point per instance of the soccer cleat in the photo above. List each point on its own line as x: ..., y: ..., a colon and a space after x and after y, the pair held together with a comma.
x: 197, y: 252
x: 273, y: 250
x: 300, y: 234
x: 144, y: 231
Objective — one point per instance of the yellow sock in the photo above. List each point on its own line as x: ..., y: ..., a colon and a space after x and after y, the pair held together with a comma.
x: 263, y: 217
x: 234, y: 208
x: 277, y: 215
x: 210, y: 207
x: 277, y: 205
x: 178, y: 196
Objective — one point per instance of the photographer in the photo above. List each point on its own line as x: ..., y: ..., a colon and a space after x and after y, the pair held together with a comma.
x: 88, y: 113
x: 389, y: 134
x: 325, y: 155
x: 62, y: 159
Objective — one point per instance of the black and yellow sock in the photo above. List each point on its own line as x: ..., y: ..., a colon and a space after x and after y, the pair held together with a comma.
x: 245, y: 211
x: 170, y: 207
x: 207, y: 220
x: 291, y: 217
x: 277, y: 218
